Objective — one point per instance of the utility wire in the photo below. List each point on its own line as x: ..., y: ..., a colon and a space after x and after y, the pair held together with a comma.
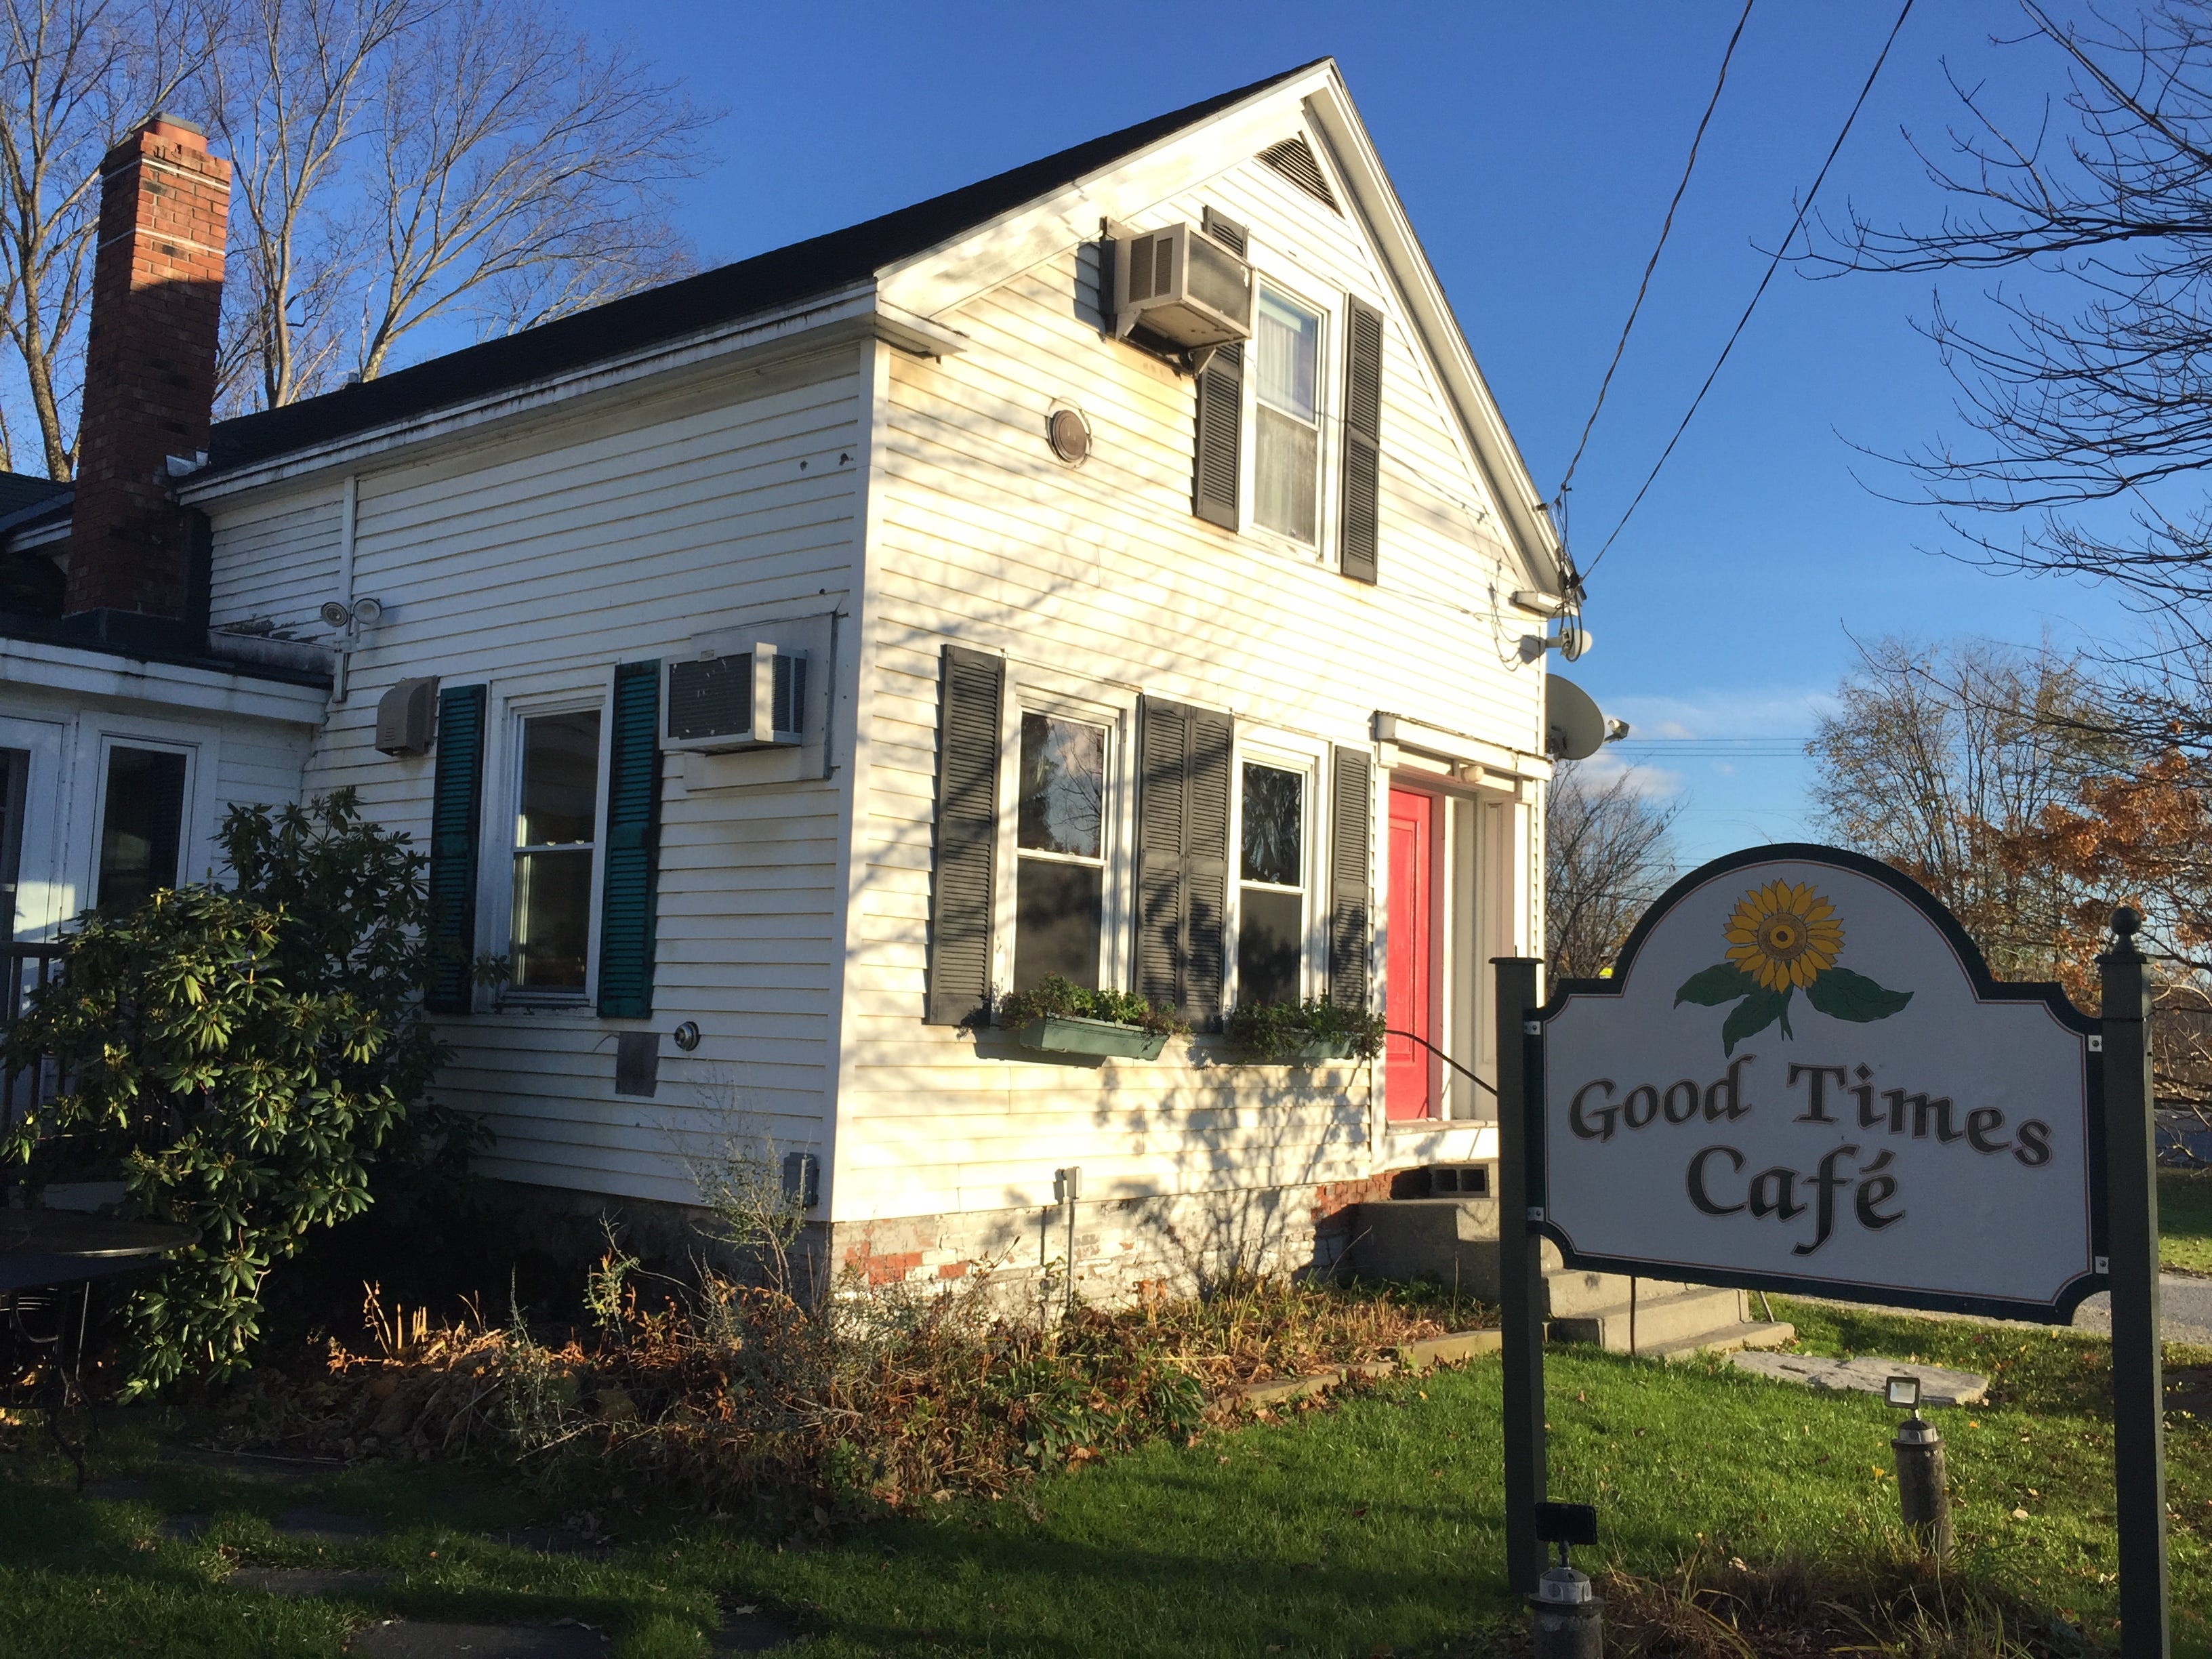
x: 1652, y: 265
x: 1773, y: 265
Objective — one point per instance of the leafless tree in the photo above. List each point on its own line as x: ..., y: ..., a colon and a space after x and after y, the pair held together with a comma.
x: 1940, y: 758
x: 1608, y: 853
x: 518, y: 174
x: 74, y: 75
x: 407, y: 163
x: 2087, y: 377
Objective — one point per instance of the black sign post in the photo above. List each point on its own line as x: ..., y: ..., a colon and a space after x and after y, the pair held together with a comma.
x: 2138, y: 1381
x: 1520, y: 1267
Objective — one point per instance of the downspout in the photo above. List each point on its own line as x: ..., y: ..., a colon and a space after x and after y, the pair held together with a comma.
x: 352, y: 631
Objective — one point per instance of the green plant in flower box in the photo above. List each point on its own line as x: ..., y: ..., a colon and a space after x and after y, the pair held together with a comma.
x: 1285, y: 1033
x: 1055, y: 997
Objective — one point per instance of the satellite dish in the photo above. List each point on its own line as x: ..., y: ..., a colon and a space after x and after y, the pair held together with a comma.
x: 1575, y: 727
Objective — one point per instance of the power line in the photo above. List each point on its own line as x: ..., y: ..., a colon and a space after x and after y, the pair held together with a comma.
x: 1773, y: 265
x: 1652, y: 264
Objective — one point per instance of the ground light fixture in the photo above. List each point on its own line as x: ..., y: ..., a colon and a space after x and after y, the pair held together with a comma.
x: 1923, y: 1496
x: 1568, y: 1618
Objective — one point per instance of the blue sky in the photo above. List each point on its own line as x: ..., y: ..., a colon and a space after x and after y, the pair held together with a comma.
x: 1534, y: 147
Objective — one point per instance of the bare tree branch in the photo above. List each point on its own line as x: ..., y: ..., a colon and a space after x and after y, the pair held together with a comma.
x: 1936, y: 759
x: 1608, y: 853
x: 519, y: 175
x: 74, y: 76
x: 292, y: 83
x: 2088, y: 380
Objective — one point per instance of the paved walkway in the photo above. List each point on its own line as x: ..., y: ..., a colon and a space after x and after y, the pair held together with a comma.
x: 2185, y: 1306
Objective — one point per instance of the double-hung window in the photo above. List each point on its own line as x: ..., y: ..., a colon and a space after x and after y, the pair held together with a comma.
x: 1287, y: 437
x: 1060, y: 850
x: 1272, y: 926
x: 142, y: 821
x: 556, y: 823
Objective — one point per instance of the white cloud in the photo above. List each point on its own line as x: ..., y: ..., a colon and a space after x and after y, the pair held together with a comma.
x: 1783, y: 713
x: 1652, y: 783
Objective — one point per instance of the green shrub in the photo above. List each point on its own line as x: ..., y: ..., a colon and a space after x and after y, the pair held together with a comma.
x: 245, y: 1056
x: 1055, y: 998
x: 1275, y: 1032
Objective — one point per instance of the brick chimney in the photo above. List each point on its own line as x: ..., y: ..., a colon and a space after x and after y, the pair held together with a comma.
x: 149, y: 372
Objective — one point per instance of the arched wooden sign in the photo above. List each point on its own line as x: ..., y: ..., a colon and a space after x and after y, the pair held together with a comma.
x: 1802, y: 1077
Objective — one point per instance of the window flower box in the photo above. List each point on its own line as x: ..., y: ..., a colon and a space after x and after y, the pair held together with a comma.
x: 1056, y: 1018
x: 1091, y: 1036
x: 1302, y: 1033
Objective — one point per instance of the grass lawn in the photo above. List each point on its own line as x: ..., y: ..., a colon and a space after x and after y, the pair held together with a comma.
x: 2185, y: 1220
x: 1372, y: 1525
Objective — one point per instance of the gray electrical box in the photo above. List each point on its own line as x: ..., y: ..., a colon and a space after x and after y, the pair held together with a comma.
x: 407, y: 717
x: 637, y: 1063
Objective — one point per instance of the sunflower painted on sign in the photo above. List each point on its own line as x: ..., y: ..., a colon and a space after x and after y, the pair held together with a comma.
x: 1782, y: 938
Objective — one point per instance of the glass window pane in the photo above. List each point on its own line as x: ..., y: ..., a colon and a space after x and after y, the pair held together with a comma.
x: 1063, y: 786
x: 1288, y: 350
x: 1056, y: 921
x: 1270, y: 936
x: 559, y: 779
x: 140, y: 825
x: 1274, y: 826
x: 552, y: 919
x: 1285, y: 462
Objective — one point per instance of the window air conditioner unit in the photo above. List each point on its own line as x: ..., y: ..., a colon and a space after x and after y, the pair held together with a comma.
x: 1183, y: 285
x: 753, y: 699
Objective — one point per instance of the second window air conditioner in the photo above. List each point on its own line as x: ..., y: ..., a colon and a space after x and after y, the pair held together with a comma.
x: 1183, y: 285
x: 753, y: 699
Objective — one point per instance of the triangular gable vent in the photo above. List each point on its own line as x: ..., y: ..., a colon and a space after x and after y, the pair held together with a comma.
x: 1294, y: 159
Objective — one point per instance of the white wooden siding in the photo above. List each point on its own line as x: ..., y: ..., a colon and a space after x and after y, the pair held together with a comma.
x: 1101, y: 573
x: 277, y: 562
x: 534, y: 565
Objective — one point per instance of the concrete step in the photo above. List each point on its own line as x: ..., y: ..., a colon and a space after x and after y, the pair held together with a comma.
x: 1730, y: 1339
x: 1571, y: 1291
x: 1451, y: 1241
x: 1686, y: 1313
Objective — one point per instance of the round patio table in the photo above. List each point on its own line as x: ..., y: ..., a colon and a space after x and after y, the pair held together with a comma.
x: 70, y: 1247
x: 53, y: 1250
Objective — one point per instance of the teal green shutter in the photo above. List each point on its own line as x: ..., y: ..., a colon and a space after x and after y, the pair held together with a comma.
x: 456, y: 820
x: 629, y: 909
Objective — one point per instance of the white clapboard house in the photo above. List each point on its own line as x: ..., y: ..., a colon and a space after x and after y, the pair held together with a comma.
x: 1117, y: 567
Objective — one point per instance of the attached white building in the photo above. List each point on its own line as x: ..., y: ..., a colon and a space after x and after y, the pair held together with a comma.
x: 1198, y: 673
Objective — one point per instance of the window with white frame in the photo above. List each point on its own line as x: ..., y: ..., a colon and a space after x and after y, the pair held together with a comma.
x: 1060, y: 846
x: 556, y: 823
x: 1286, y: 425
x: 1272, y: 919
x: 142, y: 823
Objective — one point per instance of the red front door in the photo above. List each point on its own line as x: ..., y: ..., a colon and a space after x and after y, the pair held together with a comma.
x: 1409, y: 1073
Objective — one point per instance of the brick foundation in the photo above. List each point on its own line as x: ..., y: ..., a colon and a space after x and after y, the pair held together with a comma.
x: 1126, y: 1249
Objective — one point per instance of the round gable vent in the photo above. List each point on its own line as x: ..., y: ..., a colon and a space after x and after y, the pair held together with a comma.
x: 1071, y: 435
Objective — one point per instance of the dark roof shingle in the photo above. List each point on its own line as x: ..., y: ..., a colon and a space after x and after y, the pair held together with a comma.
x: 822, y: 263
x: 19, y: 491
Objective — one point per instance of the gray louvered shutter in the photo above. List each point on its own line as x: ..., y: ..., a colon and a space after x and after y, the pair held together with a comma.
x: 628, y: 908
x: 1220, y: 437
x: 1351, y: 829
x: 1183, y: 856
x: 1214, y: 495
x: 971, y: 693
x: 456, y: 821
x: 1363, y: 442
x: 1206, y: 866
